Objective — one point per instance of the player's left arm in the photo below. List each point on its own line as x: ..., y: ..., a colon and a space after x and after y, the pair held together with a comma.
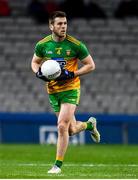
x: 88, y: 66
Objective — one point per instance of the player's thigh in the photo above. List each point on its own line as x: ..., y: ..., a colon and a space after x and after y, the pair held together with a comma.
x: 66, y: 113
x: 72, y: 123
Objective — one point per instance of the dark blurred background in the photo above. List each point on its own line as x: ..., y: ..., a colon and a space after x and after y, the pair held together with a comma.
x: 110, y: 30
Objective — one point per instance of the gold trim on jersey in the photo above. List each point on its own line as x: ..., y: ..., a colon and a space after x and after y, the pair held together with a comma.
x: 46, y: 39
x: 73, y: 40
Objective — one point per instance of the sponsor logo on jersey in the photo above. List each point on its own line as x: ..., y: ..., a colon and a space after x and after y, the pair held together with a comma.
x: 49, y: 52
x: 57, y: 58
x: 61, y: 61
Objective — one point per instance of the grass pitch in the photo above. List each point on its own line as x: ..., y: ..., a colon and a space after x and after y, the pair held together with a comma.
x: 81, y: 162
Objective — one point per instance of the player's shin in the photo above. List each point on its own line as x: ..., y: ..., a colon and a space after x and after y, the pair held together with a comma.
x: 62, y: 144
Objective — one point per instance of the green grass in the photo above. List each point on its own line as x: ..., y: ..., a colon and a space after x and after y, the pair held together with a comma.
x: 91, y: 162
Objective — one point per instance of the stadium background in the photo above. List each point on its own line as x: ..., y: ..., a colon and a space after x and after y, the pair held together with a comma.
x: 110, y: 93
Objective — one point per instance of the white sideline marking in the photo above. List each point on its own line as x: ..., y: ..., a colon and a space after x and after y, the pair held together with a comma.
x: 84, y: 165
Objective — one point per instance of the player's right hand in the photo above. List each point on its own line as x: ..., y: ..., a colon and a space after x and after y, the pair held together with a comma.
x: 65, y: 74
x: 41, y: 76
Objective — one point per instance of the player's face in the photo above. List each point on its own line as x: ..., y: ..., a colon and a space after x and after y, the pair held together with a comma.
x: 59, y: 27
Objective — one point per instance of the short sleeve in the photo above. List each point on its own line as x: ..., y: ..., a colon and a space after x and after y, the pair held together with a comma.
x: 38, y: 50
x: 83, y: 51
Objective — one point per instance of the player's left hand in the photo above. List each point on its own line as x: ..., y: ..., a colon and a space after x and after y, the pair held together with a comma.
x: 65, y: 74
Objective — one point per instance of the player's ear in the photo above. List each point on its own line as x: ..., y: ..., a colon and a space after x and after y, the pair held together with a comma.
x: 51, y: 26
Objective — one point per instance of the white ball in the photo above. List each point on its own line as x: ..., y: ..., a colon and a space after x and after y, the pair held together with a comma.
x: 51, y: 69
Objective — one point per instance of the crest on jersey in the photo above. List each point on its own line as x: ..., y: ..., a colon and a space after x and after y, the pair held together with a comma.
x: 68, y: 52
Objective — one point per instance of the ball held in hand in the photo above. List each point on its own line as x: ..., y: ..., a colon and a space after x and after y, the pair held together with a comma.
x: 51, y: 69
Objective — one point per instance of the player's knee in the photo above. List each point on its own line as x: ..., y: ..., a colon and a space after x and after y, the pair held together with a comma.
x: 62, y: 128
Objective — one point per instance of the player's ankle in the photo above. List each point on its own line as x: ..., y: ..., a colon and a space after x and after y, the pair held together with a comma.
x: 58, y: 163
x: 89, y: 126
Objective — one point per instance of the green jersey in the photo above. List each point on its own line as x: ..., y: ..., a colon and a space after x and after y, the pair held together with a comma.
x: 66, y: 53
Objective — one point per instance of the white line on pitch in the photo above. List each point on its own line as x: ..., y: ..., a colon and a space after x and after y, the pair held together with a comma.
x: 76, y: 165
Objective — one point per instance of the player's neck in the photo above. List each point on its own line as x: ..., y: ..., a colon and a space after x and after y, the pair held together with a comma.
x: 57, y: 38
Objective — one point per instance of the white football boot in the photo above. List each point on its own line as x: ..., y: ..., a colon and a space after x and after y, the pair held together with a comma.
x: 95, y: 135
x: 54, y: 170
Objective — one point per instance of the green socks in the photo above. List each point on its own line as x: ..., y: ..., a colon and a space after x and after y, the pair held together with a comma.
x: 89, y: 126
x: 58, y: 163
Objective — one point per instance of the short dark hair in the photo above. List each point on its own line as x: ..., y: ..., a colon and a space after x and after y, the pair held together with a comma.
x: 56, y: 14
